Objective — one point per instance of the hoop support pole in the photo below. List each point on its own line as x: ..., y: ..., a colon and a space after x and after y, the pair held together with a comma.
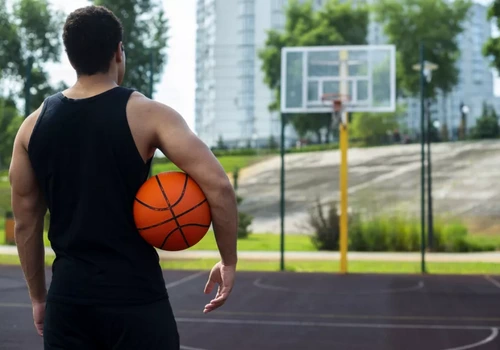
x: 344, y: 145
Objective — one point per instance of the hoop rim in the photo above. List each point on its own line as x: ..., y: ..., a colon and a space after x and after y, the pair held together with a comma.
x: 335, y: 97
x: 337, y: 100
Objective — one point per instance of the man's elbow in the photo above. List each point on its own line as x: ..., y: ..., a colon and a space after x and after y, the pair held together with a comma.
x: 224, y: 189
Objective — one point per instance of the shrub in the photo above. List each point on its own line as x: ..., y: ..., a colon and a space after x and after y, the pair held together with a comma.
x: 327, y: 228
x: 385, y: 233
x: 244, y: 222
x: 396, y: 232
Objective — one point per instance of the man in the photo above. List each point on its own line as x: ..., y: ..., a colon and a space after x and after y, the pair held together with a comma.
x: 83, y: 155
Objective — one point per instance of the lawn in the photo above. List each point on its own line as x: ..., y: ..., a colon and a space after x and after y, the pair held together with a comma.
x: 229, y: 163
x: 333, y: 266
x: 262, y: 242
x: 4, y: 194
x: 485, y: 240
x: 271, y: 242
x: 320, y: 266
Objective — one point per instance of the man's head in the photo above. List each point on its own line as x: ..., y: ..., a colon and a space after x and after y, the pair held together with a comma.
x: 93, y: 40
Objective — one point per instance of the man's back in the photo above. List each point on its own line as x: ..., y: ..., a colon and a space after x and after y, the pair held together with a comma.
x: 89, y: 169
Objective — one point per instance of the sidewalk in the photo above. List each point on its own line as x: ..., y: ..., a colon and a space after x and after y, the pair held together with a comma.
x: 491, y: 257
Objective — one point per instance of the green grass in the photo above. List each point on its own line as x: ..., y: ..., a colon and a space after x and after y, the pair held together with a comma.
x: 256, y: 242
x: 261, y: 242
x: 319, y: 266
x: 485, y: 240
x: 333, y: 266
x: 229, y: 163
x: 4, y: 195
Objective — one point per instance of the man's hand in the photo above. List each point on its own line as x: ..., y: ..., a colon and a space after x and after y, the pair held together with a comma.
x: 39, y: 316
x: 224, y: 276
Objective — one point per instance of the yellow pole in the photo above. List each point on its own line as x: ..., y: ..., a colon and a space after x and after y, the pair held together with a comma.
x: 344, y: 145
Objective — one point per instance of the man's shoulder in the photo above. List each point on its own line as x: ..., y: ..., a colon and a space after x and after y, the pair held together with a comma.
x: 140, y: 104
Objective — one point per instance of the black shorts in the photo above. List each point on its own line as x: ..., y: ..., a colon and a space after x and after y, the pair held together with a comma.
x: 80, y: 327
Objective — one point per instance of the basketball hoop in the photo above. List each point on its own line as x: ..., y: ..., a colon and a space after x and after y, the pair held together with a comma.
x: 339, y: 102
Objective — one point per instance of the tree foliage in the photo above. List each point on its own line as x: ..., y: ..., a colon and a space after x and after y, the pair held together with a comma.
x: 492, y: 46
x: 436, y: 23
x: 10, y: 122
x: 336, y: 23
x: 487, y: 125
x: 32, y: 34
x: 145, y: 37
x: 374, y: 128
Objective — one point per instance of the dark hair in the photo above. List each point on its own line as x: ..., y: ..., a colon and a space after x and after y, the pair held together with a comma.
x: 91, y: 35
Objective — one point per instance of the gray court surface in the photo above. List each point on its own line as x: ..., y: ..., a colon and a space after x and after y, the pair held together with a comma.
x: 308, y: 311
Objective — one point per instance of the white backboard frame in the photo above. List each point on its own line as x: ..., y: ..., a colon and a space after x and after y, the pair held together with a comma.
x: 327, y: 106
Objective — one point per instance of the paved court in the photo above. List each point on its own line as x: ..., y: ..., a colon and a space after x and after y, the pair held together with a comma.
x: 309, y: 311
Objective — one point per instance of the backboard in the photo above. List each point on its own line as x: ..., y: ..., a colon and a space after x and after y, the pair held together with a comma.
x: 364, y: 73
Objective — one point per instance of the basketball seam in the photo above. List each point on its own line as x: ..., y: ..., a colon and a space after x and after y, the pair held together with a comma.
x: 173, y: 205
x: 178, y: 216
x: 171, y: 210
x: 183, y: 191
x: 175, y: 229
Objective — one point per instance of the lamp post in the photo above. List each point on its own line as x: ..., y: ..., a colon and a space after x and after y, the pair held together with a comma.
x: 464, y: 111
x: 425, y: 68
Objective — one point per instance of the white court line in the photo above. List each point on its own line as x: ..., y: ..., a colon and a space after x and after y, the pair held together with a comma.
x: 331, y: 324
x: 20, y: 305
x: 184, y: 280
x: 420, y: 285
x: 493, y: 281
x: 183, y: 347
x: 490, y: 338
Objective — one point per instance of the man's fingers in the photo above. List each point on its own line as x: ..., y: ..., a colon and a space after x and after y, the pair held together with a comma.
x: 39, y: 329
x: 216, y: 303
x: 209, y: 286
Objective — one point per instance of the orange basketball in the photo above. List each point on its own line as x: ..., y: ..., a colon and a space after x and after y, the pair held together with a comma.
x: 171, y: 211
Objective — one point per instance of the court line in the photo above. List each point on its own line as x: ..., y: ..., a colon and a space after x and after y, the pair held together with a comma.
x: 168, y: 286
x: 489, y: 339
x: 420, y: 285
x: 183, y: 347
x: 16, y: 305
x: 492, y: 281
x: 184, y: 280
x: 334, y: 325
x: 352, y: 317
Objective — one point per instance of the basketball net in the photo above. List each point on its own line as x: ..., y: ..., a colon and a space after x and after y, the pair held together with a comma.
x: 338, y: 102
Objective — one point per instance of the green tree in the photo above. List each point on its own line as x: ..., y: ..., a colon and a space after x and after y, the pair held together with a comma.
x: 436, y: 23
x: 337, y: 23
x: 10, y: 46
x: 32, y: 31
x: 10, y: 121
x: 492, y: 45
x: 145, y: 39
x: 487, y: 125
x: 375, y: 128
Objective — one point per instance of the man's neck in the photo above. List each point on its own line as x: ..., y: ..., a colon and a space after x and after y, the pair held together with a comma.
x: 92, y: 85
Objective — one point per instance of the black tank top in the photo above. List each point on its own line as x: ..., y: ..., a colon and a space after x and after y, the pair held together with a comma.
x: 89, y: 169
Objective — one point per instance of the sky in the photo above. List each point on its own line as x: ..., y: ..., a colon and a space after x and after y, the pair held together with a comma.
x: 177, y: 87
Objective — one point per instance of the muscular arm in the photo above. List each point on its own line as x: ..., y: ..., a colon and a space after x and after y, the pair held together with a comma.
x: 29, y: 210
x: 174, y: 138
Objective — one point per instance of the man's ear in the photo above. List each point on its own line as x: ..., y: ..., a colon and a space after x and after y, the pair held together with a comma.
x: 119, y: 52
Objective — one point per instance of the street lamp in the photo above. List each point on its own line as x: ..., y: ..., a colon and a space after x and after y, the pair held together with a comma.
x: 464, y: 111
x: 425, y: 68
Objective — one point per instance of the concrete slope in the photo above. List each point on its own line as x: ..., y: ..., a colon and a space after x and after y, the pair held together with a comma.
x: 465, y: 184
